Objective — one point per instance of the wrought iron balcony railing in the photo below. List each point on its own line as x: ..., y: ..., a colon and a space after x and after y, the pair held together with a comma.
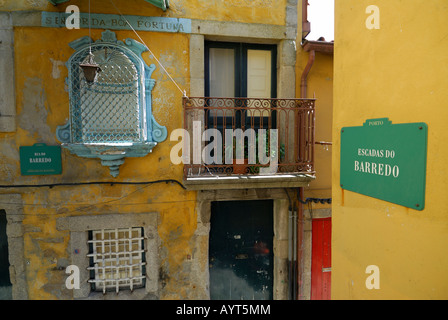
x: 283, y: 128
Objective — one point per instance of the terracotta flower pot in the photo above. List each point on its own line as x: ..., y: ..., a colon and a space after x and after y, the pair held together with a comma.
x: 240, y: 168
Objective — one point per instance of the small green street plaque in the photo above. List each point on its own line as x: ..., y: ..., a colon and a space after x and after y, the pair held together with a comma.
x: 40, y: 159
x: 386, y: 161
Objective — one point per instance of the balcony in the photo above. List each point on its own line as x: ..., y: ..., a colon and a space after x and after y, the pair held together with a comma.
x: 230, y: 156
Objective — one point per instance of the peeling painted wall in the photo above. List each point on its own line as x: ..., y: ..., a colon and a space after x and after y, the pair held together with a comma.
x: 42, y: 104
x: 247, y: 11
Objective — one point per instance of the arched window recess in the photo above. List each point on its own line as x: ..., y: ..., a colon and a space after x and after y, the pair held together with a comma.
x: 110, y: 118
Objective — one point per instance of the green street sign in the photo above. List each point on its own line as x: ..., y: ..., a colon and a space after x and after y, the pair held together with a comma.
x: 386, y: 161
x: 40, y: 159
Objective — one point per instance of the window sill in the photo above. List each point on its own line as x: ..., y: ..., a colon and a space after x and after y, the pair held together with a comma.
x: 112, y: 155
x: 137, y: 294
x: 249, y: 182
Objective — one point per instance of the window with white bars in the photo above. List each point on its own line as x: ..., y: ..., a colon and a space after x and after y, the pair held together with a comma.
x: 117, y: 259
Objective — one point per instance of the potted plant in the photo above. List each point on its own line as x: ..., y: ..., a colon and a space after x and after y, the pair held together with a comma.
x: 238, y: 166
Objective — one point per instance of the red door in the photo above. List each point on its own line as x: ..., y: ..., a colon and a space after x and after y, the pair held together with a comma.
x: 321, y: 259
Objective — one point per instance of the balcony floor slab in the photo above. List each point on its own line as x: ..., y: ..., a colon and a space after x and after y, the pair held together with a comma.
x: 248, y: 182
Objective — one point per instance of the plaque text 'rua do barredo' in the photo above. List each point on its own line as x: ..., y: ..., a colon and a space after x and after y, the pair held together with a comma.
x: 386, y: 161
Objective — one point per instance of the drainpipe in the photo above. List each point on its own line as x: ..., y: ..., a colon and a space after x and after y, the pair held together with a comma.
x: 292, y: 253
x: 292, y: 248
x: 304, y: 80
x: 299, y: 219
x: 299, y: 231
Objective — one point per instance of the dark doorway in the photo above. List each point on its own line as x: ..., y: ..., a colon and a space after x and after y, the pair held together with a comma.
x: 241, y: 250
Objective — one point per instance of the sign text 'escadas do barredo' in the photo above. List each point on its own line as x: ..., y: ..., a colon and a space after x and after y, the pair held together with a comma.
x: 386, y: 161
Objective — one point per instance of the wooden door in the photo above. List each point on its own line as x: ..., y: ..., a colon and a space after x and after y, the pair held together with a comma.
x: 241, y: 250
x: 321, y: 260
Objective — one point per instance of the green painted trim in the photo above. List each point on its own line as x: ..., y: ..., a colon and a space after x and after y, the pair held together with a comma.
x: 116, y: 22
x: 56, y: 2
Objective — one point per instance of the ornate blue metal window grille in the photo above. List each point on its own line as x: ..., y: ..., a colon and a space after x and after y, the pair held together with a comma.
x: 111, y: 118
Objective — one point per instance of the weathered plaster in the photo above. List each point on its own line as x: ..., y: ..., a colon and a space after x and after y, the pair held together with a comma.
x: 9, y: 158
x: 183, y: 223
x: 56, y: 72
x: 34, y: 112
x: 7, y: 96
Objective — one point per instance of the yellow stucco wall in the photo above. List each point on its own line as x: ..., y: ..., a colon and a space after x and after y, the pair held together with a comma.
x: 40, y: 76
x: 320, y: 87
x: 398, y: 71
x: 253, y: 11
